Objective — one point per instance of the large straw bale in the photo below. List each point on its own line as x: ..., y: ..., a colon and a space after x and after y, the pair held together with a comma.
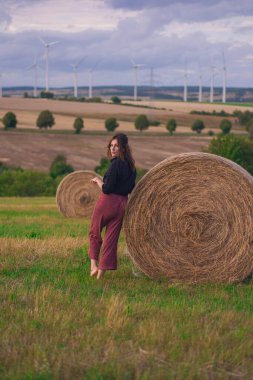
x: 190, y: 218
x: 76, y: 194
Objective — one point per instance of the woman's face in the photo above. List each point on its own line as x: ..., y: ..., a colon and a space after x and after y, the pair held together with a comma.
x: 114, y: 148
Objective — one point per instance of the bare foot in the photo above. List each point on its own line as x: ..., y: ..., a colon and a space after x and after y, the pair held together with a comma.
x: 93, y: 268
x: 94, y: 272
x: 100, y: 273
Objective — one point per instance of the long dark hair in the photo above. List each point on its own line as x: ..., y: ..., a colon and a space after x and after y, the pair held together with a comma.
x: 125, y: 152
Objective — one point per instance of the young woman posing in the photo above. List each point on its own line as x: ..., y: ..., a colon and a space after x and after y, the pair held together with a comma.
x: 118, y: 182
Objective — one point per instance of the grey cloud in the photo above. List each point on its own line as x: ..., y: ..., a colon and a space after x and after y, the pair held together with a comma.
x: 139, y: 38
x: 189, y: 9
x: 5, y: 20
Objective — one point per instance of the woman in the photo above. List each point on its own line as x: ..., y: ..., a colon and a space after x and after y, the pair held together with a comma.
x: 118, y: 182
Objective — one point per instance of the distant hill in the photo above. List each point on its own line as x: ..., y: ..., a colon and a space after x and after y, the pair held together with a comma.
x: 234, y: 94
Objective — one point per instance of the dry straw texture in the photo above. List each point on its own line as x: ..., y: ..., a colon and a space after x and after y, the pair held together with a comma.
x: 76, y: 194
x: 190, y: 218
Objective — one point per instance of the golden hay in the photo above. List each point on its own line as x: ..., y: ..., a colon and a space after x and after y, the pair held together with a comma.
x: 190, y: 219
x: 76, y: 194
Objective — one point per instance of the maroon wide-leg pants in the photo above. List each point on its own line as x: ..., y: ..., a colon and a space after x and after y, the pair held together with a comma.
x: 108, y: 212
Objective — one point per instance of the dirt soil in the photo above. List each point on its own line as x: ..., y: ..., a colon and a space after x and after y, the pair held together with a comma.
x: 36, y: 151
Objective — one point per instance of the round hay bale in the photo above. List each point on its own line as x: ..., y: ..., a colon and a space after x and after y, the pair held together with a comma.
x: 190, y: 218
x: 76, y: 195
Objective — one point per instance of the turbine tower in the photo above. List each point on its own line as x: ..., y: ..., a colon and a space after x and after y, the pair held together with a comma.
x: 91, y: 79
x: 35, y: 66
x: 185, y: 83
x: 224, y: 68
x: 185, y: 86
x: 136, y: 67
x: 200, y: 87
x: 213, y: 72
x: 75, y: 68
x: 47, y: 45
x: 90, y: 82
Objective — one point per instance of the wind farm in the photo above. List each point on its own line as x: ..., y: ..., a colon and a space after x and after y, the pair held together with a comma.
x: 83, y: 71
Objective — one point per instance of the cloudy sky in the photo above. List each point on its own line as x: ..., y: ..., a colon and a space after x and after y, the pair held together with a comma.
x: 167, y: 35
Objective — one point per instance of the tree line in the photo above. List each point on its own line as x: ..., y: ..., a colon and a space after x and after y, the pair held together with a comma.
x: 46, y: 120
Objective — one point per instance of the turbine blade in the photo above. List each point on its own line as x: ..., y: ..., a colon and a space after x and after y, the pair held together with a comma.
x: 53, y: 43
x: 31, y: 67
x: 81, y: 60
x: 44, y: 43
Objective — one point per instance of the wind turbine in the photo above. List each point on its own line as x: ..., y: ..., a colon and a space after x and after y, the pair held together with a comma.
x: 185, y: 83
x: 200, y: 87
x: 75, y: 68
x: 136, y: 67
x: 91, y: 79
x: 224, y: 68
x: 35, y: 66
x: 47, y: 45
x: 213, y: 72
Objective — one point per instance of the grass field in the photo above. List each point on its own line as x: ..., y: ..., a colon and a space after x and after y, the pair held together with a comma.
x: 58, y: 323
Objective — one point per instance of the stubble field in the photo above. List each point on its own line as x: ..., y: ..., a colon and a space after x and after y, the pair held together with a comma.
x: 28, y: 149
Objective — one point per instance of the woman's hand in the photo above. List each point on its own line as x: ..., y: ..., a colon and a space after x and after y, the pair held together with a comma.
x: 97, y: 181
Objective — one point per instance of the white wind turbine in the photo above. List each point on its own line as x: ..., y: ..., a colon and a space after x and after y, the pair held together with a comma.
x: 35, y: 66
x: 213, y: 73
x: 224, y: 89
x: 136, y: 67
x: 200, y: 87
x: 75, y: 68
x: 91, y: 79
x: 47, y: 45
x: 185, y: 83
x: 185, y: 86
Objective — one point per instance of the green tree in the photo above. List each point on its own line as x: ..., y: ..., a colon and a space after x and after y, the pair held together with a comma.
x: 171, y: 126
x: 103, y: 166
x: 249, y: 128
x: 141, y: 122
x: 235, y: 148
x: 29, y: 183
x: 59, y: 167
x: 9, y: 120
x: 115, y: 99
x: 78, y: 125
x: 47, y: 95
x: 225, y: 126
x: 198, y: 126
x: 111, y: 124
x: 45, y: 119
x: 243, y: 117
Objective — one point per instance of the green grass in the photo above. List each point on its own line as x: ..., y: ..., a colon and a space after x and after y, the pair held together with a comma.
x: 58, y: 323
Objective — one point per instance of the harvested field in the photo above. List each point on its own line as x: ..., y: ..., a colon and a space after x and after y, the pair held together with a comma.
x: 182, y: 107
x: 94, y: 114
x: 30, y: 150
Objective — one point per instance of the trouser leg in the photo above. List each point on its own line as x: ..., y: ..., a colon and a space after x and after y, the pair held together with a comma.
x: 96, y: 227
x: 108, y: 259
x: 109, y: 251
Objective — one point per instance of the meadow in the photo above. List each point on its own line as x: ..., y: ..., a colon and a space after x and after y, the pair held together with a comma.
x: 58, y: 323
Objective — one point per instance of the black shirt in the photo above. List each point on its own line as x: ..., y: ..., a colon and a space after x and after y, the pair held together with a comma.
x: 119, y: 178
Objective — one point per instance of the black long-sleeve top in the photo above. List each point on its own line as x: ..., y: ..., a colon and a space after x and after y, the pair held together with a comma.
x: 119, y: 178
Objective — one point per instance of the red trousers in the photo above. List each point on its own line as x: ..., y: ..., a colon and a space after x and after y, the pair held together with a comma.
x: 108, y: 212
